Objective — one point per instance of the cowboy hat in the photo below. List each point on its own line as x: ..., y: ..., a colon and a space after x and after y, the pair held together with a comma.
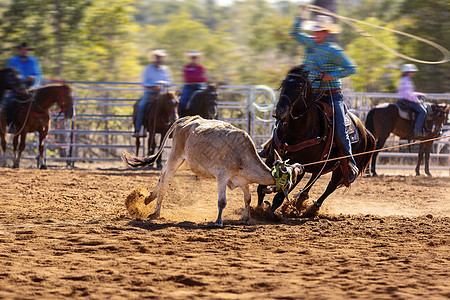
x: 322, y: 22
x: 409, y: 68
x: 159, y: 52
x: 194, y: 53
x: 24, y: 46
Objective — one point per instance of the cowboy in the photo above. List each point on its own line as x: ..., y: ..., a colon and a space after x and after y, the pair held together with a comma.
x: 29, y: 70
x: 413, y: 99
x: 194, y: 78
x: 155, y: 77
x: 327, y: 63
x: 27, y: 66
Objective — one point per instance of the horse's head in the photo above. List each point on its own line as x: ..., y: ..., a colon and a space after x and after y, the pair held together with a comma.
x: 169, y: 105
x: 296, y: 94
x: 14, y: 83
x: 213, y: 97
x: 65, y: 100
x: 440, y: 115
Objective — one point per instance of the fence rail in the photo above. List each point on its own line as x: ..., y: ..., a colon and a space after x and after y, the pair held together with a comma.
x: 102, y: 123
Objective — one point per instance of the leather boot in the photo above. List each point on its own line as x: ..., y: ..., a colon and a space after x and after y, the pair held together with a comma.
x: 352, y: 172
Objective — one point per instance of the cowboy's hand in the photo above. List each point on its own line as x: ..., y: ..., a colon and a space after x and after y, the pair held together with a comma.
x: 29, y: 79
x: 303, y: 12
x: 327, y: 77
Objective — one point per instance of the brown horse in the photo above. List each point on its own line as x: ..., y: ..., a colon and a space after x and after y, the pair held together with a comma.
x: 159, y: 116
x: 304, y: 135
x: 385, y: 119
x: 203, y: 103
x: 10, y: 80
x: 33, y: 115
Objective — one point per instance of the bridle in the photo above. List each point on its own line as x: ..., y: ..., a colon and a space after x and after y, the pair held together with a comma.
x: 302, y: 90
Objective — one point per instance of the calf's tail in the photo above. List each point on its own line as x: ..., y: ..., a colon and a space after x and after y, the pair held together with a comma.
x: 143, y: 161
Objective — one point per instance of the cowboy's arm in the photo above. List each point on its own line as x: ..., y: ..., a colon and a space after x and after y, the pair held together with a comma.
x: 345, y: 66
x: 299, y: 36
x: 36, y: 72
x: 167, y: 77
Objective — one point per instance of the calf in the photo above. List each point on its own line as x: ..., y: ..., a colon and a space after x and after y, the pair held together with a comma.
x: 211, y: 149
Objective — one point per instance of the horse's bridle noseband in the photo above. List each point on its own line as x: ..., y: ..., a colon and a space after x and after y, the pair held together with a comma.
x: 301, y: 95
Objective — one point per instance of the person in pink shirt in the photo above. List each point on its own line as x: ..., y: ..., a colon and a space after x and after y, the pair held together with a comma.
x: 194, y: 79
x: 413, y: 99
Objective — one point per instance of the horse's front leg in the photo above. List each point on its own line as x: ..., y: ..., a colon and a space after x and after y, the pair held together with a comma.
x: 3, y: 143
x: 40, y: 160
x: 21, y: 147
x: 427, y: 150
x: 261, y: 194
x: 419, y: 159
x: 138, y: 144
x: 260, y: 190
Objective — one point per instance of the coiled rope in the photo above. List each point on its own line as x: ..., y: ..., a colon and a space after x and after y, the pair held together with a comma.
x: 351, y: 22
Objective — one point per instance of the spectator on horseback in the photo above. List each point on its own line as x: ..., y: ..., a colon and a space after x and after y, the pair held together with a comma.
x: 28, y: 66
x: 412, y: 99
x: 327, y: 63
x: 155, y: 77
x: 194, y: 78
x: 30, y: 72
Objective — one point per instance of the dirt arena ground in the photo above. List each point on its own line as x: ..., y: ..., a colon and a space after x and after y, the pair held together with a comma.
x: 67, y: 234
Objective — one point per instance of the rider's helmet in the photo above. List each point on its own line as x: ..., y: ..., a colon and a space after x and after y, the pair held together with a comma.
x: 409, y: 68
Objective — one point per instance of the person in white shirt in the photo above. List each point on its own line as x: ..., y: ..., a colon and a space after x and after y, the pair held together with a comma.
x: 413, y: 99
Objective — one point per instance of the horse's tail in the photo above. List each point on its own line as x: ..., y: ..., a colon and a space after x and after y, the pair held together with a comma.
x: 138, y: 162
x: 371, y: 145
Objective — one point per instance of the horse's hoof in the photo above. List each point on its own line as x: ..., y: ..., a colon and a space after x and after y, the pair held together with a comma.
x: 15, y: 166
x: 311, y: 211
x: 153, y: 216
x: 43, y: 167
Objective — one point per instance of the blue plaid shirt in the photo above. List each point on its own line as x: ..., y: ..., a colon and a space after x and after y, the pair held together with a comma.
x: 327, y: 57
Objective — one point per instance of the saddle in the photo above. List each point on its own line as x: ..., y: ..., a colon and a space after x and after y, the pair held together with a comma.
x: 350, y: 124
x: 151, y: 103
x: 191, y: 96
x: 407, y: 113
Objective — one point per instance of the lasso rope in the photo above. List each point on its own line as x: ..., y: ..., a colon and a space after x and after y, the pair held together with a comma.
x: 351, y: 21
x: 377, y: 150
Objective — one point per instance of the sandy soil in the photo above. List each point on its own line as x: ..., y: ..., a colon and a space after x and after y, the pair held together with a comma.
x: 67, y: 234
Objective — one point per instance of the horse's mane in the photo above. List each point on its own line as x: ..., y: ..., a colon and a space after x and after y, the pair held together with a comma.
x: 297, y: 69
x: 55, y: 84
x: 8, y: 69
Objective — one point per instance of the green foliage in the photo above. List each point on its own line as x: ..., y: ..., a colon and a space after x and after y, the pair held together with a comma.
x: 247, y: 42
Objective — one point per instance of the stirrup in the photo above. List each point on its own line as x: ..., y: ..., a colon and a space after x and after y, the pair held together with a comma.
x: 353, y: 168
x: 11, y: 129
